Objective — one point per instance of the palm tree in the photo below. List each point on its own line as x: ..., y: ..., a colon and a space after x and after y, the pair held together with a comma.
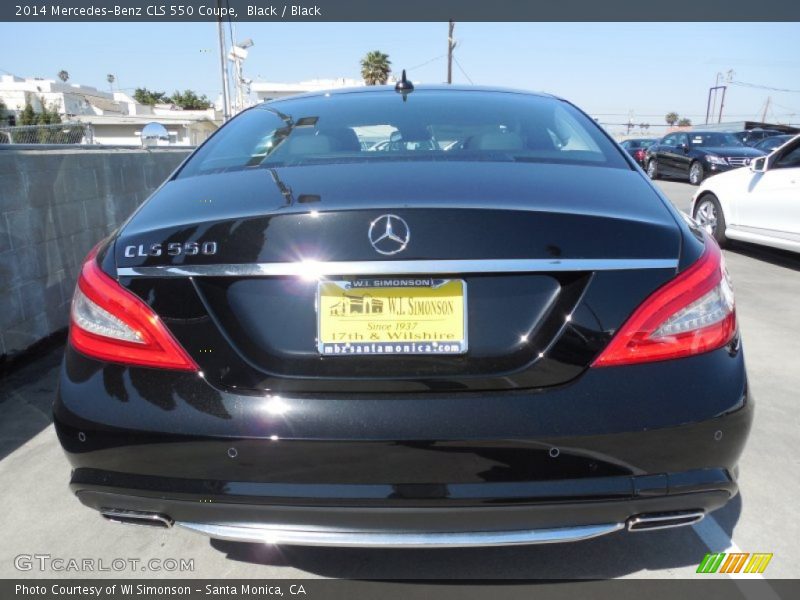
x: 111, y: 79
x: 684, y: 122
x: 375, y: 68
x: 671, y: 118
x: 63, y: 75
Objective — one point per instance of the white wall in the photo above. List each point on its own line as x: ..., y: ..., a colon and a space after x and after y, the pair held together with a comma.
x: 130, y: 134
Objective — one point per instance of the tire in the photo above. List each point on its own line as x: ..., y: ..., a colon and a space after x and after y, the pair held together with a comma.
x: 708, y: 213
x: 652, y: 169
x: 696, y: 173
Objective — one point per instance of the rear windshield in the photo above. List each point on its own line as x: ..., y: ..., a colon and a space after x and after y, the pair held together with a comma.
x: 773, y: 142
x: 634, y: 144
x: 428, y: 125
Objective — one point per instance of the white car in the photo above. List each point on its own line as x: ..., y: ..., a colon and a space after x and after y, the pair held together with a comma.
x: 759, y: 204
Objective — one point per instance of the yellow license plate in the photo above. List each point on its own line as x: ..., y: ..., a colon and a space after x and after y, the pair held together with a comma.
x: 392, y: 316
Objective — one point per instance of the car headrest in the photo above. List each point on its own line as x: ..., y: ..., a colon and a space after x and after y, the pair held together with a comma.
x: 538, y: 139
x: 494, y: 141
x: 311, y: 143
x: 343, y: 139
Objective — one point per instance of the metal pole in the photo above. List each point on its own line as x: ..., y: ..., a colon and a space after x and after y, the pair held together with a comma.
x: 711, y: 106
x: 450, y: 46
x: 226, y: 102
x: 237, y: 74
x: 713, y: 103
x: 239, y: 85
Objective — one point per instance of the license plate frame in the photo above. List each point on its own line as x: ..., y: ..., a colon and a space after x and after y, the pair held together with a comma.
x: 382, y: 289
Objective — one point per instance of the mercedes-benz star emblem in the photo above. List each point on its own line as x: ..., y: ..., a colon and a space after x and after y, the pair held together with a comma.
x: 389, y: 234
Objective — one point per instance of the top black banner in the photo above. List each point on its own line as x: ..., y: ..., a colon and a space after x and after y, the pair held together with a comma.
x: 398, y: 10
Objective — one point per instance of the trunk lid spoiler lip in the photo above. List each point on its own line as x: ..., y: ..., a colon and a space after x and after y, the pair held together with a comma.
x: 317, y: 270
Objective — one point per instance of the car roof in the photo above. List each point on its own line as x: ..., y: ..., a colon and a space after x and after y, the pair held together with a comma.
x: 387, y: 89
x: 775, y: 138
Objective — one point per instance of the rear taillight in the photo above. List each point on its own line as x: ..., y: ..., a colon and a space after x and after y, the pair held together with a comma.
x: 692, y: 314
x: 111, y: 324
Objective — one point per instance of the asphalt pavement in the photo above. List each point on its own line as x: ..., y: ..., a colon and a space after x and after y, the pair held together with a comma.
x: 42, y: 517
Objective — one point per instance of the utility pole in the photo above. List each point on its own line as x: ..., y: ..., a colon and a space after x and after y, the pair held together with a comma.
x: 223, y: 65
x: 713, y: 93
x: 711, y: 106
x: 766, y: 108
x: 451, y: 44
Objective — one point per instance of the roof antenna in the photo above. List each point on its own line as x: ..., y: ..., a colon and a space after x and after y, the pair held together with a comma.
x: 404, y: 86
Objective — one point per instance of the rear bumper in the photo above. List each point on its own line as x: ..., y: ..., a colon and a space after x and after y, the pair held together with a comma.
x: 543, y: 518
x: 408, y: 470
x: 543, y: 522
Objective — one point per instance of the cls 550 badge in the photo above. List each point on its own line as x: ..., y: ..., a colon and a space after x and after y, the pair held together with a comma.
x: 172, y: 249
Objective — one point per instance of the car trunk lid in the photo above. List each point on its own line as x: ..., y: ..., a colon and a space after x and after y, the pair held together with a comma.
x: 539, y: 248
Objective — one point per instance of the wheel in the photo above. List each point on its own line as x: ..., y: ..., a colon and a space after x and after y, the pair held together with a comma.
x: 708, y: 214
x: 696, y: 173
x: 652, y: 169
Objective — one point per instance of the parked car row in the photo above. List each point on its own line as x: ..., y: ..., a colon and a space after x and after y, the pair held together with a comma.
x: 695, y: 155
x: 637, y: 148
x: 757, y: 204
x: 760, y: 204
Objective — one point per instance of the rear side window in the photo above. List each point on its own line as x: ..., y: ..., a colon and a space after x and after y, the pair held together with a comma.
x: 714, y: 139
x: 429, y: 125
x: 670, y: 140
x: 790, y: 159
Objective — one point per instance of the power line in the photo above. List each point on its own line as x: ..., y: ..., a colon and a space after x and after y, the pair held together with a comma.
x: 427, y: 62
x: 460, y: 68
x: 794, y: 110
x: 763, y: 87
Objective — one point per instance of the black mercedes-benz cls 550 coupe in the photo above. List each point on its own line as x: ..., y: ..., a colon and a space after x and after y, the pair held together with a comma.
x: 512, y: 340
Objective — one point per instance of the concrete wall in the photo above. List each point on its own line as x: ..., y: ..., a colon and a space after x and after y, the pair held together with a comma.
x: 54, y: 206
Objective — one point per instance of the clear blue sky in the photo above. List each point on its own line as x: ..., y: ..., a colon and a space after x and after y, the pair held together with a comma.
x: 605, y: 68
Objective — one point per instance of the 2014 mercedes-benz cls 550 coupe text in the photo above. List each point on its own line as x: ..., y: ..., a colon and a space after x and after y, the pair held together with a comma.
x: 497, y: 331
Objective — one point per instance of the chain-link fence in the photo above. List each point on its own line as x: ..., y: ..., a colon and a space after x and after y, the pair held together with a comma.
x: 58, y: 133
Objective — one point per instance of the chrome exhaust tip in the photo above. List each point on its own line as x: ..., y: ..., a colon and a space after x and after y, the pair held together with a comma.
x: 654, y: 521
x: 135, y: 517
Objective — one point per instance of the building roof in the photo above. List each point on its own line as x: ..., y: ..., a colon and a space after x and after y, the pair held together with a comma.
x: 142, y: 119
x: 744, y: 126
